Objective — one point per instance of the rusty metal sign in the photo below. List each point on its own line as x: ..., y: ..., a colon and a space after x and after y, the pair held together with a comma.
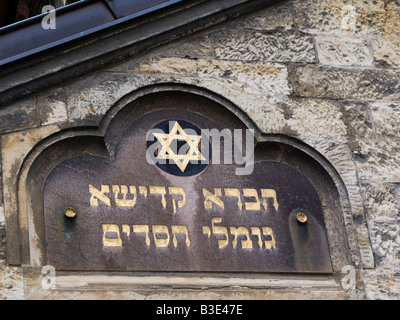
x: 129, y: 214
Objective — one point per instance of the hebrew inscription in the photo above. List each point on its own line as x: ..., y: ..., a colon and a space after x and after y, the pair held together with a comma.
x: 116, y: 241
x: 131, y: 215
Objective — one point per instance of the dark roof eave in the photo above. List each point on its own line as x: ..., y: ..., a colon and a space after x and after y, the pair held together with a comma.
x: 112, y: 41
x: 74, y: 21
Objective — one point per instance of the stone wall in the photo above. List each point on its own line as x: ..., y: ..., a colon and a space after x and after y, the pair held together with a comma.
x: 324, y: 72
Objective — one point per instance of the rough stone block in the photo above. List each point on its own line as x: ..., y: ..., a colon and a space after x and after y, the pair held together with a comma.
x: 194, y: 47
x: 380, y: 17
x: 259, y: 78
x: 11, y: 284
x: 343, y: 51
x: 301, y: 113
x: 386, y: 118
x: 386, y: 52
x: 89, y: 99
x: 341, y: 83
x: 52, y: 108
x: 378, y: 160
x: 248, y: 45
x: 356, y: 116
x: 321, y: 17
x: 348, y: 18
x: 276, y: 18
x: 18, y: 116
x: 380, y: 202
x: 381, y: 284
x: 382, y: 210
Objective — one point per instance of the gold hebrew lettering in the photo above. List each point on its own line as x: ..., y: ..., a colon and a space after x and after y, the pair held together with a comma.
x: 142, y: 228
x: 111, y: 242
x: 233, y: 192
x: 160, y: 190
x: 269, y: 244
x: 143, y: 190
x: 252, y: 205
x: 207, y: 230
x: 97, y: 195
x: 246, y: 243
x: 269, y: 193
x: 126, y: 229
x: 177, y: 191
x: 180, y: 229
x: 124, y: 202
x: 160, y: 229
x: 257, y: 232
x: 220, y: 230
x: 213, y: 198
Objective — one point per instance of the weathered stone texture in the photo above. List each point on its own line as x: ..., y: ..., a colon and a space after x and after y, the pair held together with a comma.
x: 379, y: 161
x: 339, y: 51
x: 278, y: 18
x: 386, y: 52
x: 386, y: 118
x: 340, y: 83
x: 298, y: 114
x: 195, y: 47
x: 345, y: 17
x: 383, y: 216
x: 357, y: 118
x: 2, y: 238
x: 89, y: 99
x: 380, y: 18
x: 259, y: 78
x: 378, y: 148
x: 52, y: 107
x: 257, y: 46
x: 21, y: 115
x: 11, y: 283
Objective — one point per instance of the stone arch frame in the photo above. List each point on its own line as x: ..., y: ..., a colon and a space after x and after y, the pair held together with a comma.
x: 337, y: 209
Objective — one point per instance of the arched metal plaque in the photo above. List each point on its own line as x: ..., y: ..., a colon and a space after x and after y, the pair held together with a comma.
x: 127, y: 213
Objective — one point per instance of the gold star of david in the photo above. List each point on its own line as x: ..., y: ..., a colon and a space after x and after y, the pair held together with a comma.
x: 177, y: 133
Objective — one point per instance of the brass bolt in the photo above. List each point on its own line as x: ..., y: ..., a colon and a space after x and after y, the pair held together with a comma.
x: 301, y: 217
x: 70, y: 213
